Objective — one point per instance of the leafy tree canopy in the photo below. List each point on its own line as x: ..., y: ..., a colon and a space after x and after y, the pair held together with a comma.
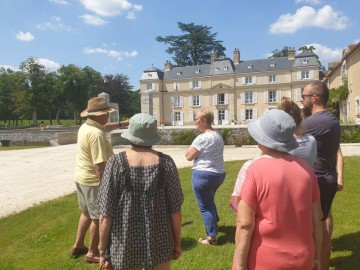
x: 194, y: 46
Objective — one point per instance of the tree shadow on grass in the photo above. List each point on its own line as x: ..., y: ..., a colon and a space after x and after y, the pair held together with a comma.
x: 229, y: 235
x: 346, y: 243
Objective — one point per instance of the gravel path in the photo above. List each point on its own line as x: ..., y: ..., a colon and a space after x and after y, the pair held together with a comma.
x: 31, y: 176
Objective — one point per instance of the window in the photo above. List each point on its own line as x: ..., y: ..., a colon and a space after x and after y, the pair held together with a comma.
x: 305, y: 61
x: 150, y: 86
x: 177, y: 101
x: 177, y: 116
x: 248, y: 114
x: 272, y: 65
x: 221, y: 116
x: 195, y: 84
x: 272, y: 96
x: 250, y: 66
x: 197, y: 71
x: 249, y: 98
x: 221, y: 99
x: 248, y: 80
x: 196, y: 101
x: 305, y: 75
x: 226, y: 68
x: 176, y: 86
x: 217, y: 69
x: 272, y: 78
x: 178, y: 73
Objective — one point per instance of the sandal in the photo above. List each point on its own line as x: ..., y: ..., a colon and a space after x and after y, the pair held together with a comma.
x: 76, y: 252
x: 208, y: 241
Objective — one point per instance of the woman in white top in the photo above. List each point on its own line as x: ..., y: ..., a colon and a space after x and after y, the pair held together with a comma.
x: 207, y: 172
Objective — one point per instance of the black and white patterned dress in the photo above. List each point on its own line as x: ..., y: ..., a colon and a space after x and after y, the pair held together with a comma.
x: 140, y: 201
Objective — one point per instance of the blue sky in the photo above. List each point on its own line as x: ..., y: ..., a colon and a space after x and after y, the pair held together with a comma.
x: 118, y: 36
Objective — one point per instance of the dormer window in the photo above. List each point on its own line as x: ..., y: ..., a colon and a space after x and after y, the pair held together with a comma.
x: 250, y: 66
x: 217, y: 69
x: 305, y: 61
x: 197, y: 71
x: 149, y: 75
x: 226, y: 68
x: 179, y: 73
x: 272, y: 65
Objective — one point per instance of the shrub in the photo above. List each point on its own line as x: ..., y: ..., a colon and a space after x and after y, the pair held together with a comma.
x: 184, y: 137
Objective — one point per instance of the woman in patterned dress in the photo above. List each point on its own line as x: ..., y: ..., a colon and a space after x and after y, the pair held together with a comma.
x: 140, y: 200
x: 208, y: 171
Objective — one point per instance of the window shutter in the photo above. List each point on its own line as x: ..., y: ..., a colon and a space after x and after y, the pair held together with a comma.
x: 173, y: 118
x: 190, y: 85
x: 215, y: 99
x: 226, y: 120
x: 311, y: 74
x: 242, y: 97
x: 181, y: 101
x: 153, y: 86
x: 199, y: 84
x: 242, y: 114
x: 254, y: 113
x: 253, y: 79
x: 243, y: 80
x: 175, y: 88
x: 278, y: 95
x: 190, y: 101
x: 298, y: 94
x: 266, y: 96
x: 200, y: 100
x: 254, y: 97
x: 181, y: 119
x: 226, y: 98
x: 191, y: 116
x: 172, y: 101
x: 216, y: 117
x: 299, y: 75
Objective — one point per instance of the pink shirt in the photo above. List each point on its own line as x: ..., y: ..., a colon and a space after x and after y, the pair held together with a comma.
x: 282, y: 192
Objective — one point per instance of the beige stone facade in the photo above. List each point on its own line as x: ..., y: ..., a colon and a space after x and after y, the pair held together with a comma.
x: 348, y: 66
x: 237, y: 91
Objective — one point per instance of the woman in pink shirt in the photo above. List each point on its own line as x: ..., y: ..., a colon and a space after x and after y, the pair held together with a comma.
x: 279, y: 214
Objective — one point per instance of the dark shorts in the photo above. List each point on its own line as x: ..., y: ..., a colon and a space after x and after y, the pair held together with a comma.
x: 327, y: 194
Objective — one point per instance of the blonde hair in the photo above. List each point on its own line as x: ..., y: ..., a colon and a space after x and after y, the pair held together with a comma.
x: 206, y: 114
x: 290, y: 107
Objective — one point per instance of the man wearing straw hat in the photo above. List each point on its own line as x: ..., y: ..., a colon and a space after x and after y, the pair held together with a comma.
x: 93, y: 150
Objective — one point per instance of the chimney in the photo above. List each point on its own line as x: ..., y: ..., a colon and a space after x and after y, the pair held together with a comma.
x: 291, y: 53
x: 236, y: 56
x: 168, y: 65
x: 212, y: 57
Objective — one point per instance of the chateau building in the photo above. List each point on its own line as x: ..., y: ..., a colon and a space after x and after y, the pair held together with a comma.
x: 236, y: 91
x: 349, y: 67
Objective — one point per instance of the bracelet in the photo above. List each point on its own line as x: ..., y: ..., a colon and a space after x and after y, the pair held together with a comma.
x: 120, y: 124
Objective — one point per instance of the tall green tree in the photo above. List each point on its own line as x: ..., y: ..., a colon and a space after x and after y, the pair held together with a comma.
x: 120, y: 91
x: 194, y: 46
x: 35, y: 86
x: 280, y: 53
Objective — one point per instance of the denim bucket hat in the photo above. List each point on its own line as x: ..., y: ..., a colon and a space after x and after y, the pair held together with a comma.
x: 274, y: 129
x: 142, y: 130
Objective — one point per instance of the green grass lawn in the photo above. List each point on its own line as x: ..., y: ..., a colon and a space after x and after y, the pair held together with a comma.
x: 41, y: 237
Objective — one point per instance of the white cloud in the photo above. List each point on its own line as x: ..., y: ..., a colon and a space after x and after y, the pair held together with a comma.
x: 54, y: 24
x: 306, y: 16
x: 310, y: 2
x: 61, y: 2
x: 49, y: 65
x: 92, y: 19
x: 24, y: 36
x: 325, y: 53
x: 118, y: 55
x: 110, y: 7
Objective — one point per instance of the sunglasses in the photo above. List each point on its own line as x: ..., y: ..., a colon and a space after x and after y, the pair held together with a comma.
x: 307, y: 95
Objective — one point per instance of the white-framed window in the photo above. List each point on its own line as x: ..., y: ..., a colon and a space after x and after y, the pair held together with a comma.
x: 248, y: 114
x: 249, y: 98
x: 272, y: 78
x: 272, y: 96
x: 195, y: 84
x: 221, y: 99
x: 177, y: 118
x: 176, y: 86
x: 248, y: 80
x: 221, y: 117
x: 305, y: 75
x: 195, y: 101
x: 217, y: 68
x: 150, y: 86
x: 305, y: 61
x: 176, y: 101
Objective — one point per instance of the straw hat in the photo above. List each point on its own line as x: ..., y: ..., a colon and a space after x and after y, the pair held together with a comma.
x: 274, y: 129
x: 142, y: 130
x: 97, y: 106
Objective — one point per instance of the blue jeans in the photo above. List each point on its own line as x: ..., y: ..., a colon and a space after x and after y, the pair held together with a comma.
x: 204, y: 185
